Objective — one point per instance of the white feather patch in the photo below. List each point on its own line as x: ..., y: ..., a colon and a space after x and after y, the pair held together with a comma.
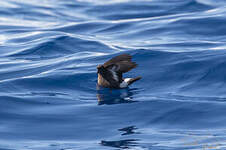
x: 124, y: 84
x: 114, y: 74
x: 127, y: 79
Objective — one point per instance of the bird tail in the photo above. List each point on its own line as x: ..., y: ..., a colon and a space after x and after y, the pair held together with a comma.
x: 133, y: 80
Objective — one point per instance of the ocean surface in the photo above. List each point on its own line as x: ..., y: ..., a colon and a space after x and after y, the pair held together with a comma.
x: 49, y: 98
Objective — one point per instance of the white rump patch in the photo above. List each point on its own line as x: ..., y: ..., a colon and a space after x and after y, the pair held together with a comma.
x: 124, y: 84
x: 127, y: 79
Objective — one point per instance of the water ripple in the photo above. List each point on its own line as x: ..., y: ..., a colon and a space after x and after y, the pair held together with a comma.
x: 49, y: 53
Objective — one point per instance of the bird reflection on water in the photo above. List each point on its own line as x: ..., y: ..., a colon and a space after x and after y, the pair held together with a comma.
x: 129, y: 130
x: 115, y: 96
x: 125, y: 143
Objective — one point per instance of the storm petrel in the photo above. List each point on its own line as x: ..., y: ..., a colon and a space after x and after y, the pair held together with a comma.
x: 110, y: 73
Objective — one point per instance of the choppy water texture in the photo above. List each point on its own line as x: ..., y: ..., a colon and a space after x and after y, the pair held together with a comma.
x: 49, y: 52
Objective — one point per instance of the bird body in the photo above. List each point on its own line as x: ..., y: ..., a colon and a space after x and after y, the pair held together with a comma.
x: 110, y: 73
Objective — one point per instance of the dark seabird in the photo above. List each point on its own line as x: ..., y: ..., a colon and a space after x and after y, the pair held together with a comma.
x: 110, y: 73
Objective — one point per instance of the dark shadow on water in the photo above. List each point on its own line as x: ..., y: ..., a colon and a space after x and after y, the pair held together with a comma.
x: 129, y: 130
x: 124, y: 144
x: 115, y: 96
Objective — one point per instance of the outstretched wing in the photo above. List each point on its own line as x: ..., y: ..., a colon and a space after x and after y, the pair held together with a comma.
x: 122, y: 57
x: 122, y: 63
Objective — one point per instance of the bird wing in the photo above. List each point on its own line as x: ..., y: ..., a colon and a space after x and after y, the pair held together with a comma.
x: 110, y: 76
x: 122, y: 63
x: 123, y: 57
x: 116, y: 74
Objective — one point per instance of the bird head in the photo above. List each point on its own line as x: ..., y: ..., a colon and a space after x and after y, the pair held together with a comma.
x: 99, y: 67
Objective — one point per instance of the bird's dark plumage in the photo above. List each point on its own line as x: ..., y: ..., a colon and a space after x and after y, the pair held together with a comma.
x: 110, y: 73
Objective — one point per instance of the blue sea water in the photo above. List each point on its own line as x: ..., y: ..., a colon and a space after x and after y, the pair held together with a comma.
x: 48, y: 92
